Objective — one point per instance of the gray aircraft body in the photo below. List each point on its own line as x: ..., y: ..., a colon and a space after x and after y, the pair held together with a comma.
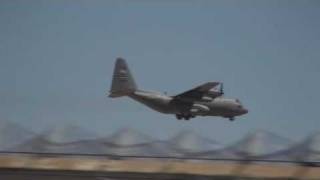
x: 203, y: 100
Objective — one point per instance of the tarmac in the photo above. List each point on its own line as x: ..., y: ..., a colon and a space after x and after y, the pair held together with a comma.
x: 33, y: 167
x: 9, y: 174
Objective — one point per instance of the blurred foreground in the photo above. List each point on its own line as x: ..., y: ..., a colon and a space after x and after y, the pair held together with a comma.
x: 53, y: 166
x: 73, y: 153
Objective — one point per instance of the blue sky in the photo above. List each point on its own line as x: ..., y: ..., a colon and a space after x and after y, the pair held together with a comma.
x: 57, y: 57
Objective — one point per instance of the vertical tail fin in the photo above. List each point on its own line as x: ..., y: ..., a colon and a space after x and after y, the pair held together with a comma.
x: 122, y: 82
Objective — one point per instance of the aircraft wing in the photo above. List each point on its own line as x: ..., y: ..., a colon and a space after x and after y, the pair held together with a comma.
x: 196, y: 93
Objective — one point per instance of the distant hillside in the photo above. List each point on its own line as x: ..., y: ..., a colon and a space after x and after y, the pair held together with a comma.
x: 12, y: 134
x: 127, y: 137
x: 187, y: 141
x: 67, y: 133
x: 62, y: 139
x: 307, y: 150
x: 259, y: 143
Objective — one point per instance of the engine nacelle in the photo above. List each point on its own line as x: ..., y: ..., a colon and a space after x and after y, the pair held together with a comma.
x: 214, y: 94
x: 206, y: 99
x: 199, y: 109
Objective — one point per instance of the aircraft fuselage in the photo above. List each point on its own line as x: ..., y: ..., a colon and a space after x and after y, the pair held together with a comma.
x: 223, y: 107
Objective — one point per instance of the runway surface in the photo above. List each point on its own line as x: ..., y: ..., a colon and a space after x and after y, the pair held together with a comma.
x: 63, y: 167
x: 8, y: 174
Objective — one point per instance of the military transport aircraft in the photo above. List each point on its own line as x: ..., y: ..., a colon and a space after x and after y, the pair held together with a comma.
x: 203, y: 100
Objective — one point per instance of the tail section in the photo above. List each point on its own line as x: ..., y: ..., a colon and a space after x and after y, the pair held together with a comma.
x: 122, y: 83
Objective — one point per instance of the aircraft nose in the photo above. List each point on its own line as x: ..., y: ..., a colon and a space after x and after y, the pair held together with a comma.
x: 245, y: 111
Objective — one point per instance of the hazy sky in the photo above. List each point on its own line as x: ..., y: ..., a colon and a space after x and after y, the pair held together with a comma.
x: 57, y: 57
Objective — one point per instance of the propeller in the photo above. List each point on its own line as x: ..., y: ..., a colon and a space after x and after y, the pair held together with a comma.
x: 221, y: 89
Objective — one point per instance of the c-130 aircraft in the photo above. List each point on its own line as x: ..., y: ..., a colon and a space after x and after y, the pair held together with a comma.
x: 203, y: 100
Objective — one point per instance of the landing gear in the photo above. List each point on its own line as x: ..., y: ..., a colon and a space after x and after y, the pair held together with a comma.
x: 184, y: 116
x: 178, y: 116
x: 231, y: 118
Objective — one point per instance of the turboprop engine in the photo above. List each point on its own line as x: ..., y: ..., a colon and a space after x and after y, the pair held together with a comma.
x: 206, y: 99
x: 199, y: 109
x: 214, y: 94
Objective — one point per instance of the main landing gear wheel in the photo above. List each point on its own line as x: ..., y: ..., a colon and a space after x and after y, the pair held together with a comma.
x: 185, y: 117
x: 231, y: 119
x: 178, y: 116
